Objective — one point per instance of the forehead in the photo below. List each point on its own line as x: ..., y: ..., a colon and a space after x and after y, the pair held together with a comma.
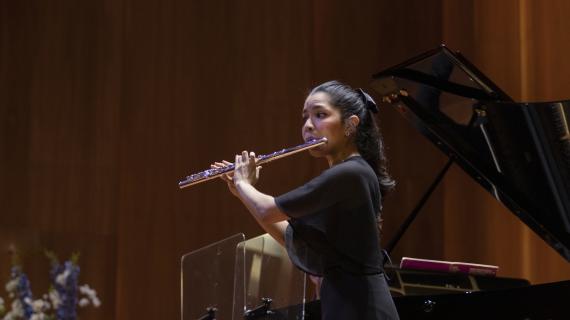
x: 318, y: 99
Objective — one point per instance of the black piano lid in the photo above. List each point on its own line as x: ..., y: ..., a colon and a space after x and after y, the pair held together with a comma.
x: 519, y: 152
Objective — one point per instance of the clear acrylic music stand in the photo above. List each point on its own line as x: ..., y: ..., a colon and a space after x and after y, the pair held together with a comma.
x: 265, y: 271
x: 238, y: 279
x: 207, y: 280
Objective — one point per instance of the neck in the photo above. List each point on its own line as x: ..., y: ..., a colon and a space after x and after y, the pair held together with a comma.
x: 341, y: 156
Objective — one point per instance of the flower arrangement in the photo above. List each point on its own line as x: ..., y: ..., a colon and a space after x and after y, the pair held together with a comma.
x: 62, y: 299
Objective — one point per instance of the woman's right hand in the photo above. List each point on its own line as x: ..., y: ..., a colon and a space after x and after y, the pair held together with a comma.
x: 227, y: 177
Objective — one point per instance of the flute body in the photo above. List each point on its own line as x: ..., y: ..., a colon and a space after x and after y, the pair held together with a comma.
x: 213, y: 173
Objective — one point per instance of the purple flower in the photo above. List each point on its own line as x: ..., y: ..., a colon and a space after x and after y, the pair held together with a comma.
x: 23, y: 291
x: 64, y: 280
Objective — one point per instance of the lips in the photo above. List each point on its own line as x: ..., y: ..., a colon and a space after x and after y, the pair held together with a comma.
x: 310, y: 138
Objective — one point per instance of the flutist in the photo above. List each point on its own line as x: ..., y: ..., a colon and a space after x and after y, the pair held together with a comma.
x: 330, y: 225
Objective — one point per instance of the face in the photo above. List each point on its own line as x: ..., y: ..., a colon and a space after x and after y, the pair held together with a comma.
x: 321, y: 119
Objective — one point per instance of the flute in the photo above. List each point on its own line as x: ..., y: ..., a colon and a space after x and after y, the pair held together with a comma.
x: 216, y: 172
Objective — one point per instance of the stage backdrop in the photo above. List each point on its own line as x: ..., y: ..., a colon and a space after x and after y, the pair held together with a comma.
x: 105, y: 105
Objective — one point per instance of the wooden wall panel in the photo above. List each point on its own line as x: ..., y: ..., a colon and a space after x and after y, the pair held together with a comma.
x: 477, y: 227
x: 380, y: 39
x: 516, y: 43
x: 199, y: 90
x: 413, y: 161
x: 15, y: 55
x: 545, y: 38
x: 61, y: 69
x: 104, y: 106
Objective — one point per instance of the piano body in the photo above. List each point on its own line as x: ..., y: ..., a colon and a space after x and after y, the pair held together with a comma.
x: 519, y: 152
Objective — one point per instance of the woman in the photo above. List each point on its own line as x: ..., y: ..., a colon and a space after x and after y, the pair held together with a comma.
x: 330, y: 224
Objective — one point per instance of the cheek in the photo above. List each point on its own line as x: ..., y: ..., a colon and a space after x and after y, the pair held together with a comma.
x: 323, y: 124
x: 334, y: 128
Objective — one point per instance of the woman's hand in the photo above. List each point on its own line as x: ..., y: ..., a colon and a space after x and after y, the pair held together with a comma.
x: 227, y: 177
x: 246, y: 169
x: 245, y: 174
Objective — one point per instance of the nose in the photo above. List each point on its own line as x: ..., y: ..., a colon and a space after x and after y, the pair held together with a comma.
x: 308, y: 125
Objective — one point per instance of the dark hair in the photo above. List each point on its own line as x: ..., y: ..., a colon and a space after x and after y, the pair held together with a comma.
x: 368, y: 138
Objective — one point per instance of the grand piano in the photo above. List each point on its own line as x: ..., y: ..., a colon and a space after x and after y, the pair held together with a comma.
x: 518, y: 152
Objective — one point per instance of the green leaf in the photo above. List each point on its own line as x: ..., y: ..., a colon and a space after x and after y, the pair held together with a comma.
x: 75, y: 258
x: 52, y: 257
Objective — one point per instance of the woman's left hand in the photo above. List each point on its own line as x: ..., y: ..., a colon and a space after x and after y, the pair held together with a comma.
x: 246, y: 168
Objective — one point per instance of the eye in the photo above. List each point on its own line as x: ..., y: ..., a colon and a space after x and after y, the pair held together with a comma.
x: 321, y: 115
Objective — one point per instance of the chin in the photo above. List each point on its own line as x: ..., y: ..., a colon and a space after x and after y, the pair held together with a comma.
x: 316, y: 153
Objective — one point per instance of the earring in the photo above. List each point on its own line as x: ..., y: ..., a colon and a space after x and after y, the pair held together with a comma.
x: 349, y: 130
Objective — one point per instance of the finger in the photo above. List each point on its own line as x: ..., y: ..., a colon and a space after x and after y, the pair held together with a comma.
x: 244, y: 156
x: 227, y: 178
x: 251, y: 161
x: 223, y: 176
x: 227, y: 163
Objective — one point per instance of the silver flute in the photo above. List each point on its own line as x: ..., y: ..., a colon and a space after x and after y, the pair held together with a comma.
x: 213, y: 173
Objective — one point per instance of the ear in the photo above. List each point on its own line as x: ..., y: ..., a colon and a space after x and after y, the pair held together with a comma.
x: 353, y: 121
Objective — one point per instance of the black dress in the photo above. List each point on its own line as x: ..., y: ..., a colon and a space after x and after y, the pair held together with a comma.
x: 333, y: 233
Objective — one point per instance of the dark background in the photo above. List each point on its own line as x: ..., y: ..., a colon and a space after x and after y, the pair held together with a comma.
x: 105, y: 105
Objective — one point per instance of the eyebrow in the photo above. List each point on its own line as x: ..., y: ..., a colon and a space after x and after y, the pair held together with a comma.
x: 312, y: 107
